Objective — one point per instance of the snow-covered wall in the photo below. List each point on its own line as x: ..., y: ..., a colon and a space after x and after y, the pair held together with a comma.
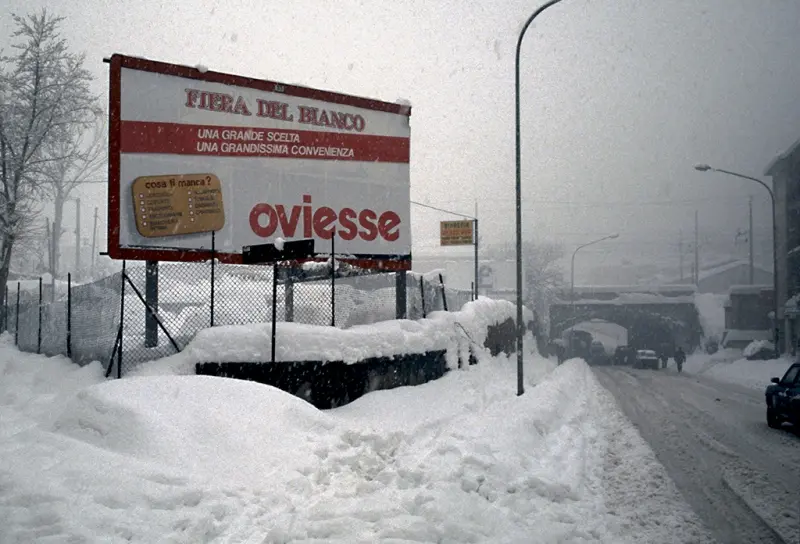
x: 451, y: 331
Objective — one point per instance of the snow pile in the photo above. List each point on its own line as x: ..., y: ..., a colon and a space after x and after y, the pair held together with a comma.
x: 742, y: 372
x: 452, y: 331
x: 755, y: 346
x: 200, y: 459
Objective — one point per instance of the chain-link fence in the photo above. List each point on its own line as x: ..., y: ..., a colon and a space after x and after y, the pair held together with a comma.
x: 148, y: 312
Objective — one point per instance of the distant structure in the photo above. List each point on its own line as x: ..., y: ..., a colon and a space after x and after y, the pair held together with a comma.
x: 721, y: 276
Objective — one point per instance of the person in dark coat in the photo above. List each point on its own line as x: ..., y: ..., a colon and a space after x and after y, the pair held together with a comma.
x: 680, y: 358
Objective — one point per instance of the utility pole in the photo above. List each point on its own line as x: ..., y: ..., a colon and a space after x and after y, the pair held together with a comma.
x: 94, y: 239
x: 77, y: 236
x: 475, y: 234
x: 49, y: 242
x: 696, y: 250
x: 680, y: 252
x: 750, y: 241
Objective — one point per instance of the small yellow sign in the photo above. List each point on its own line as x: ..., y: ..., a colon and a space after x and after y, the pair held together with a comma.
x: 171, y: 205
x: 456, y: 233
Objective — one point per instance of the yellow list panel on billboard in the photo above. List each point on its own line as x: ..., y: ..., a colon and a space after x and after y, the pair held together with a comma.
x: 455, y: 233
x: 175, y: 204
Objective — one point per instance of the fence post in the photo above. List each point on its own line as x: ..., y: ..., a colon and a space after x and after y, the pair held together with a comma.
x: 39, y: 336
x: 69, y: 315
x: 288, y: 293
x: 213, y: 264
x: 444, y: 295
x: 472, y: 290
x: 274, y: 305
x: 422, y: 293
x: 333, y: 282
x: 121, y: 321
x: 5, y: 310
x: 16, y: 318
x: 401, y: 295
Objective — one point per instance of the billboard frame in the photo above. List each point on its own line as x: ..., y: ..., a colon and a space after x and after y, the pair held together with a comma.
x: 117, y: 62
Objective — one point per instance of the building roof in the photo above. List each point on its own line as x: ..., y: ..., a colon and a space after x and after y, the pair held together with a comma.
x: 721, y: 268
x: 788, y: 158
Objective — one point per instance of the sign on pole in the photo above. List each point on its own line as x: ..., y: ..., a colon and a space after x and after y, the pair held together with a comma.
x: 193, y: 152
x: 456, y: 233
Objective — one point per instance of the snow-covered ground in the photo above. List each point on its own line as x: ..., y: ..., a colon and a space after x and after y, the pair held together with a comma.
x: 201, y: 459
x: 731, y: 367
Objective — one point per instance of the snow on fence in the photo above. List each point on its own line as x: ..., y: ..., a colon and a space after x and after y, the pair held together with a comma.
x: 83, y: 321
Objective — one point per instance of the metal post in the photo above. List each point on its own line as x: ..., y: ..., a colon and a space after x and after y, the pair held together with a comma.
x: 121, y: 320
x: 333, y: 281
x: 94, y: 241
x: 5, y: 310
x: 69, y: 315
x: 213, y: 264
x: 274, y: 306
x: 39, y: 337
x: 288, y: 293
x: 518, y: 196
x: 475, y: 222
x: 77, y: 235
x: 16, y: 319
x: 444, y: 295
x: 151, y: 300
x: 750, y: 241
x: 401, y: 295
x: 422, y: 294
x: 696, y: 250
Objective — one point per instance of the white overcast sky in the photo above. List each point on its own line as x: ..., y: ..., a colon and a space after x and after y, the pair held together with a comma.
x: 620, y: 98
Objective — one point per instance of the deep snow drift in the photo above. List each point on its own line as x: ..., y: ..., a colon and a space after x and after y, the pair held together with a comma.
x: 731, y: 367
x: 200, y: 459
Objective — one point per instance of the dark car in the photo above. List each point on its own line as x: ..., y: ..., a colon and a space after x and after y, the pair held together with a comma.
x: 624, y: 355
x: 783, y: 398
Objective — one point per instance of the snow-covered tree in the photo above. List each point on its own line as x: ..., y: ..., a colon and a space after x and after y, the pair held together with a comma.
x: 542, y: 271
x: 76, y: 155
x: 44, y: 91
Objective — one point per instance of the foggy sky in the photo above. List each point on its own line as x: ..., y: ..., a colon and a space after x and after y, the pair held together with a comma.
x: 619, y: 99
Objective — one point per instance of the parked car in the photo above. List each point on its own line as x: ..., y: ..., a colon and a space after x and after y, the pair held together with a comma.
x: 597, y: 354
x: 783, y: 398
x: 646, y: 358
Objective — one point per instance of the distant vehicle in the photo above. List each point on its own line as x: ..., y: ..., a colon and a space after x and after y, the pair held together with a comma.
x: 624, y: 355
x: 646, y: 358
x: 597, y: 354
x: 783, y: 398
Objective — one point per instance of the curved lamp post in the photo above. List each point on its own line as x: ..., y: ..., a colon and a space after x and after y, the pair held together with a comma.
x: 707, y: 168
x: 572, y: 277
x: 520, y: 326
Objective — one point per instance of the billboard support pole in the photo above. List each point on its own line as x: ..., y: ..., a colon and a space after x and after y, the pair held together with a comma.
x: 151, y: 300
x: 401, y: 295
x: 213, y: 264
x: 274, y: 306
x: 333, y: 281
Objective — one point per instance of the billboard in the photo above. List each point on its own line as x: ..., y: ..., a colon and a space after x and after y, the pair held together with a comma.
x: 193, y: 152
x: 456, y: 233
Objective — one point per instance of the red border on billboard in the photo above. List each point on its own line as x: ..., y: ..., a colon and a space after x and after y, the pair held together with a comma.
x: 117, y: 62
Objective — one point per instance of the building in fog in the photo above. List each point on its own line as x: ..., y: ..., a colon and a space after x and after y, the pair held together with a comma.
x: 720, y: 277
x: 785, y: 173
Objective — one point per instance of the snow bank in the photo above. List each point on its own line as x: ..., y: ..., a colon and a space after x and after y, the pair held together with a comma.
x: 750, y: 374
x: 199, y: 459
x: 755, y: 346
x: 452, y: 331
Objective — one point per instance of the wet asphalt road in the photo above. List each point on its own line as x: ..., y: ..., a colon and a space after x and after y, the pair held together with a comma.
x: 741, y: 477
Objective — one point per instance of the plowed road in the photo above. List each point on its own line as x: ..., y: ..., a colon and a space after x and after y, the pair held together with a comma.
x: 741, y: 477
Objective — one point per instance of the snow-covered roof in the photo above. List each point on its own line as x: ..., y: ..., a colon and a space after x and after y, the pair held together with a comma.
x: 790, y: 156
x: 634, y: 289
x: 741, y: 335
x: 749, y: 289
x: 721, y: 269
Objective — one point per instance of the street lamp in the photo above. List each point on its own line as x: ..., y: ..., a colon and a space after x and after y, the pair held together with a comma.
x: 572, y: 278
x: 520, y: 326
x: 707, y: 168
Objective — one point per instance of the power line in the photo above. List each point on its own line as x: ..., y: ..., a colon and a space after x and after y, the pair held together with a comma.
x: 441, y: 210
